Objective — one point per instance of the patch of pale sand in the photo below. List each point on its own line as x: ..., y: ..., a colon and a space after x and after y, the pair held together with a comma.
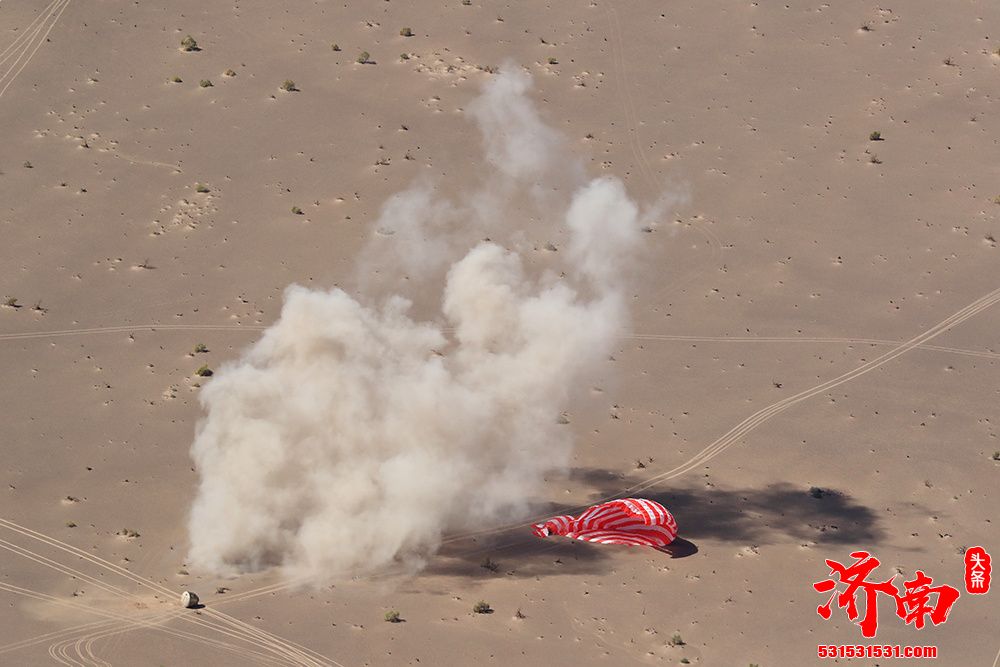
x: 799, y: 226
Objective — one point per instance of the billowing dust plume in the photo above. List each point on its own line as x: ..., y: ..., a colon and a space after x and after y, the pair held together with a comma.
x: 355, y: 434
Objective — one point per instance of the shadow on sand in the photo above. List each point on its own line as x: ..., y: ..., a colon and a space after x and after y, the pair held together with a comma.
x: 780, y: 512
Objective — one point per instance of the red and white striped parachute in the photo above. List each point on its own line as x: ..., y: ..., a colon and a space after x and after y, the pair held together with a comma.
x: 631, y: 521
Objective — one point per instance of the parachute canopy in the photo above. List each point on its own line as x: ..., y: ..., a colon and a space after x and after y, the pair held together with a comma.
x: 631, y: 521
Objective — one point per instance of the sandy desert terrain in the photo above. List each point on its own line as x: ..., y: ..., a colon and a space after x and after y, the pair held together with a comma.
x: 811, y: 364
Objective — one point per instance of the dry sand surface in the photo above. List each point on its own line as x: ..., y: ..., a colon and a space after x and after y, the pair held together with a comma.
x: 812, y: 316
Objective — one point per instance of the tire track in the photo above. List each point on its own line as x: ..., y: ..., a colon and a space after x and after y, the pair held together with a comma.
x: 287, y: 650
x: 31, y: 335
x: 153, y: 621
x: 722, y: 443
x: 55, y: 12
x: 739, y: 431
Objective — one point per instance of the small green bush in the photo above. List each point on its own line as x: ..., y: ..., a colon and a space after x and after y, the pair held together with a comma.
x: 404, y: 56
x: 189, y: 44
x: 296, y: 210
x: 482, y: 607
x: 70, y: 524
x: 27, y: 165
x: 229, y: 72
x: 490, y: 564
x: 364, y: 58
x: 289, y: 86
x: 392, y: 616
x: 406, y: 32
x: 676, y: 640
x: 553, y: 61
x: 335, y: 46
x: 205, y: 83
x: 200, y: 348
x: 11, y: 302
x: 875, y: 136
x: 176, y: 79
x: 204, y: 372
x: 996, y: 456
x: 202, y: 189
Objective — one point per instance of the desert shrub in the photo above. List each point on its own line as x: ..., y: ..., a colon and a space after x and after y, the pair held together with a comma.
x: 404, y: 56
x: 229, y: 72
x: 553, y: 61
x: 198, y: 187
x: 392, y: 616
x: 296, y: 210
x: 189, y: 44
x: 176, y: 79
x: 205, y: 83
x: 335, y: 46
x: 289, y: 86
x: 875, y: 136
x: 490, y: 564
x: 204, y: 372
x: 11, y: 302
x: 364, y: 58
x: 676, y: 640
x: 200, y: 348
x: 482, y: 607
x: 406, y: 32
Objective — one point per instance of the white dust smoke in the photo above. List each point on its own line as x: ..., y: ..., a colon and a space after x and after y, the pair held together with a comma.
x: 355, y: 434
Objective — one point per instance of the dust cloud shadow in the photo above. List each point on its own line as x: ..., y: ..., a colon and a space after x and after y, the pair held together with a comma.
x: 779, y: 512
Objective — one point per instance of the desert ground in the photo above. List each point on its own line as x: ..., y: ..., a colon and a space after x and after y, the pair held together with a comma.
x: 811, y: 367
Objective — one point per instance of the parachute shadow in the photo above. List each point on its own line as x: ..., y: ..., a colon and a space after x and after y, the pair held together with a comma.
x: 775, y: 513
x: 679, y: 548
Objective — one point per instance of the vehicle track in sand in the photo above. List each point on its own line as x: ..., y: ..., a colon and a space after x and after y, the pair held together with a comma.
x: 738, y: 432
x: 286, y: 651
x: 986, y: 354
x: 712, y: 450
x: 26, y: 45
x: 635, y: 145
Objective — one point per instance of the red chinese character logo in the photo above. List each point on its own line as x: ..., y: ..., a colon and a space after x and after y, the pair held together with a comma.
x: 913, y: 605
x: 977, y: 571
x: 855, y: 577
